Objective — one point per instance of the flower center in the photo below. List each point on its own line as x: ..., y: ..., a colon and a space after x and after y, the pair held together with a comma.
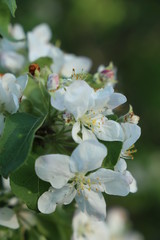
x: 81, y: 182
x: 92, y: 120
x: 84, y: 229
x: 128, y: 154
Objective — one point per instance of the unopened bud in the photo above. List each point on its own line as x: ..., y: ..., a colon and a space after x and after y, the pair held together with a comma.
x: 131, y: 117
x: 134, y: 118
x: 33, y: 67
x: 53, y: 82
x: 107, y: 73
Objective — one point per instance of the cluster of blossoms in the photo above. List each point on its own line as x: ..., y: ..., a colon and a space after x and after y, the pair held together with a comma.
x: 36, y: 44
x: 82, y: 175
x: 13, y: 59
x: 86, y: 105
x: 116, y: 227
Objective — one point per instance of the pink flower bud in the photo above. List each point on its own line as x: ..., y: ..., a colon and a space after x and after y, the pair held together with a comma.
x: 53, y: 82
x: 107, y: 73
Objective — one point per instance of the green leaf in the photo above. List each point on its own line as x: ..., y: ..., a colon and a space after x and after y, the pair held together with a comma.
x: 26, y: 185
x: 26, y: 106
x: 16, y: 141
x: 114, y: 150
x: 44, y: 61
x: 12, y: 6
x: 38, y: 97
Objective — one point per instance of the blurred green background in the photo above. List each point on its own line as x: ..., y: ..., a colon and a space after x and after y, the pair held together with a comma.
x: 127, y: 33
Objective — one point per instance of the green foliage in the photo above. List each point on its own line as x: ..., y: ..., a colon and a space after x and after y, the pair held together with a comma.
x: 27, y: 107
x: 16, y: 141
x: 12, y: 6
x: 44, y: 61
x: 4, y: 19
x: 57, y: 224
x: 26, y: 185
x: 113, y: 117
x: 89, y: 78
x: 38, y: 97
x: 114, y: 150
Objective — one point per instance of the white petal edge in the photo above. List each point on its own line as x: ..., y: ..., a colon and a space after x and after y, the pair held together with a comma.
x: 75, y: 130
x: 42, y: 32
x: 120, y: 166
x: 132, y: 133
x: 8, y: 218
x: 80, y: 64
x: 92, y: 203
x: 77, y: 98
x: 48, y: 200
x: 87, y: 156
x: 88, y: 134
x: 115, y: 100
x: 114, y: 183
x: 109, y: 131
x: 22, y: 81
x: 54, y: 168
x: 101, y: 97
x: 57, y: 100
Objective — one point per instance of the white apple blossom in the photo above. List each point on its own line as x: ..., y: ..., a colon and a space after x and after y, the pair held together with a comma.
x: 89, y: 109
x: 38, y: 42
x: 69, y: 179
x: 79, y: 63
x: 8, y: 218
x: 11, y: 90
x: 116, y: 227
x: 87, y: 228
x: 132, y: 133
x: 39, y: 46
x: 117, y: 222
x: 121, y: 166
x: 17, y: 32
x: 10, y: 59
